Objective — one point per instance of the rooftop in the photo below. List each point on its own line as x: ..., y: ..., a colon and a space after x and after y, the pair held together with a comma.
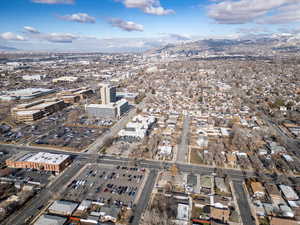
x: 41, y: 157
x: 29, y: 92
x: 50, y: 220
x: 65, y: 207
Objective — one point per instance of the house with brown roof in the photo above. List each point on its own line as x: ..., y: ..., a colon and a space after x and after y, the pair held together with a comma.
x: 273, y: 192
x: 221, y: 214
x: 257, y: 189
x: 282, y: 221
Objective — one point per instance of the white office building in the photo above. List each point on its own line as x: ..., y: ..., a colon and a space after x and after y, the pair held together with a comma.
x: 138, y: 127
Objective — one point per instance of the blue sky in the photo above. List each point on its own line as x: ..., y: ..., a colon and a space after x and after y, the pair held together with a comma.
x: 84, y: 24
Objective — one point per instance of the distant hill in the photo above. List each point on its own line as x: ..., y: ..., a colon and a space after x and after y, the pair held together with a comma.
x: 6, y: 48
x: 251, y: 46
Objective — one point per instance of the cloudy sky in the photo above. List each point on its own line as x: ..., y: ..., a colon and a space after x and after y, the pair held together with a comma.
x: 121, y: 25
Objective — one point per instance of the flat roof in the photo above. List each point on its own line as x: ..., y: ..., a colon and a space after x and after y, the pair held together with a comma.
x: 43, y: 157
x: 65, y: 207
x: 25, y: 113
x: 50, y: 220
x: 44, y: 104
x: 101, y: 106
x: 182, y: 212
x: 29, y: 91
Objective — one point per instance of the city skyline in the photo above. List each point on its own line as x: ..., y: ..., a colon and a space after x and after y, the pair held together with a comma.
x: 136, y: 25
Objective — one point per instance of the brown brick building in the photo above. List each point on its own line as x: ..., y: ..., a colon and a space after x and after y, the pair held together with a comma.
x: 40, y: 161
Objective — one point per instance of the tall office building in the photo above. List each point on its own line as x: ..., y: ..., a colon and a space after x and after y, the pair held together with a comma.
x: 108, y: 94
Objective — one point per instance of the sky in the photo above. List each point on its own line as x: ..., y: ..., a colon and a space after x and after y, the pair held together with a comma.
x: 135, y: 25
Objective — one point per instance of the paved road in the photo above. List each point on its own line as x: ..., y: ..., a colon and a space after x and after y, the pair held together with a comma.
x: 242, y: 202
x: 182, y: 149
x: 112, y: 132
x: 80, y: 159
x: 292, y: 144
x: 151, y: 164
x: 144, y: 199
x: 31, y: 207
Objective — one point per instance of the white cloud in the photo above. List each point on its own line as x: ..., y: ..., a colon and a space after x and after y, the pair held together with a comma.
x: 54, y: 1
x: 286, y: 14
x: 126, y: 25
x: 34, y: 34
x: 244, y: 11
x: 180, y: 37
x: 79, y: 17
x: 59, y: 37
x: 31, y: 29
x: 147, y: 6
x: 9, y: 36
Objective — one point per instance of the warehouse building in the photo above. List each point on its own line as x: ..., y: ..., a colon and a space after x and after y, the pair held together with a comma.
x: 40, y: 161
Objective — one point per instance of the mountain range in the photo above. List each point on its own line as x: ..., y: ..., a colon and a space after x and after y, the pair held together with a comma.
x: 276, y: 44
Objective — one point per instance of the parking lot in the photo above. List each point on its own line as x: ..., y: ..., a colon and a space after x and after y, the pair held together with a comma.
x: 8, y: 135
x: 30, y: 176
x: 70, y: 138
x: 107, y: 184
x: 86, y: 121
x: 26, y: 133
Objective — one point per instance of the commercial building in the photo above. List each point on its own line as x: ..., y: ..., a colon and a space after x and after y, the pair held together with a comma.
x: 33, y: 77
x: 74, y: 95
x: 122, y: 107
x: 108, y: 111
x: 130, y: 97
x: 29, y: 112
x: 83, y: 93
x: 41, y: 161
x: 63, y: 208
x: 28, y: 116
x: 108, y: 94
x: 138, y: 127
x: 70, y: 99
x: 65, y: 79
x: 28, y: 93
x: 51, y: 220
